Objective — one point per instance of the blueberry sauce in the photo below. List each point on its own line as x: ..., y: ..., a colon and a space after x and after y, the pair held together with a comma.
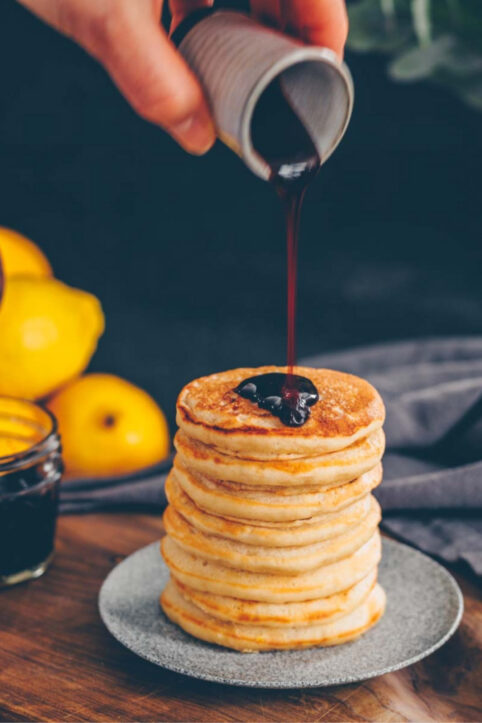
x: 290, y: 403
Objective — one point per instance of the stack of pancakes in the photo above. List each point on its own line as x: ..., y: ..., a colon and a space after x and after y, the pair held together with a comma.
x: 272, y: 531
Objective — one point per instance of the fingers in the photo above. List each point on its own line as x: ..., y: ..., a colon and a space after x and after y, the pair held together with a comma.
x: 127, y: 38
x: 267, y: 11
x: 154, y: 78
x: 182, y: 8
x: 318, y: 22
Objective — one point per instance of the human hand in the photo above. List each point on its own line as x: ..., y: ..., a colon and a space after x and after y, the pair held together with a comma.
x: 127, y: 38
x: 316, y: 22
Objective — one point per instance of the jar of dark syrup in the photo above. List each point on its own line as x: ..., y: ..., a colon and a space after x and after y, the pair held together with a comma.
x: 30, y: 471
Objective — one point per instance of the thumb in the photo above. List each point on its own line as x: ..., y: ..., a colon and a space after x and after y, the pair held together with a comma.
x: 154, y: 78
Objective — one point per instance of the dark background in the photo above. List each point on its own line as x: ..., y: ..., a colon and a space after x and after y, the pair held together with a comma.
x: 187, y: 255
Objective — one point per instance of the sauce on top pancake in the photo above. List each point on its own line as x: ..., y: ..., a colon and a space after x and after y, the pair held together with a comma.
x: 210, y: 410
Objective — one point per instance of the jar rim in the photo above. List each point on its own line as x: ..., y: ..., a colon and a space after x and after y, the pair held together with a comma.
x: 10, y: 461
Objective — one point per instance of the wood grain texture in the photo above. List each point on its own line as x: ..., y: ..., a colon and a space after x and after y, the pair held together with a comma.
x: 57, y: 661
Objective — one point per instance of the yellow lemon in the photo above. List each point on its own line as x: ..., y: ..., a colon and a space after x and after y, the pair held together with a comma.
x: 48, y: 333
x: 21, y: 257
x: 108, y: 427
x: 2, y: 280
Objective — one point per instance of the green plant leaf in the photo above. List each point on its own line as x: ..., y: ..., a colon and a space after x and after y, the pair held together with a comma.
x: 421, y: 62
x: 373, y: 30
x: 462, y: 60
x: 404, y: 28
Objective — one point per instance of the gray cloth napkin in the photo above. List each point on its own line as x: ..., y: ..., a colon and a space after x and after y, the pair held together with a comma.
x: 133, y: 492
x: 431, y: 493
x: 432, y: 489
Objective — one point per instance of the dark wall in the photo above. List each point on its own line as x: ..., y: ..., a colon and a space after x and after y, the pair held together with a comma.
x: 187, y: 255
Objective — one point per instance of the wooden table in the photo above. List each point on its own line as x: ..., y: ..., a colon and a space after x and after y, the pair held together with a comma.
x: 58, y: 663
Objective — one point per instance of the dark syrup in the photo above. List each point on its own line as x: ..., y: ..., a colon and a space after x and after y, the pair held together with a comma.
x: 270, y: 391
x: 28, y: 515
x: 282, y: 140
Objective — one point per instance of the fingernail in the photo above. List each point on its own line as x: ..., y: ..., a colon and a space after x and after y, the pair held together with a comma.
x: 196, y: 133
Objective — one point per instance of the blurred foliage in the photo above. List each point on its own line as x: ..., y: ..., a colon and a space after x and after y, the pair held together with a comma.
x: 435, y: 40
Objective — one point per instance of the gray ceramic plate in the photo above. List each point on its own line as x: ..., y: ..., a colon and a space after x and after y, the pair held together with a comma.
x: 424, y: 608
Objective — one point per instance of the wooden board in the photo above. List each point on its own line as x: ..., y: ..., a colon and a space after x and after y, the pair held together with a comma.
x: 57, y: 661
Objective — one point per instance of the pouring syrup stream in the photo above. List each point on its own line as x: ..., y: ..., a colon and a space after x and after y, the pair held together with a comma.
x: 283, y: 142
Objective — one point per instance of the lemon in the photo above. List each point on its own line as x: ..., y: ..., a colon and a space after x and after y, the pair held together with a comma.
x: 20, y: 256
x: 48, y: 333
x: 108, y: 427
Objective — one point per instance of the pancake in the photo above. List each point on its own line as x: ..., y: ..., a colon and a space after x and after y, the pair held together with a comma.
x: 281, y: 614
x: 257, y: 637
x: 235, y: 501
x: 334, y: 468
x: 279, y: 560
x: 274, y: 534
x: 210, y: 411
x: 208, y: 576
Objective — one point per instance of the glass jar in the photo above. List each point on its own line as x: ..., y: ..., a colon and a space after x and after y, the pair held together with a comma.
x: 30, y: 472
